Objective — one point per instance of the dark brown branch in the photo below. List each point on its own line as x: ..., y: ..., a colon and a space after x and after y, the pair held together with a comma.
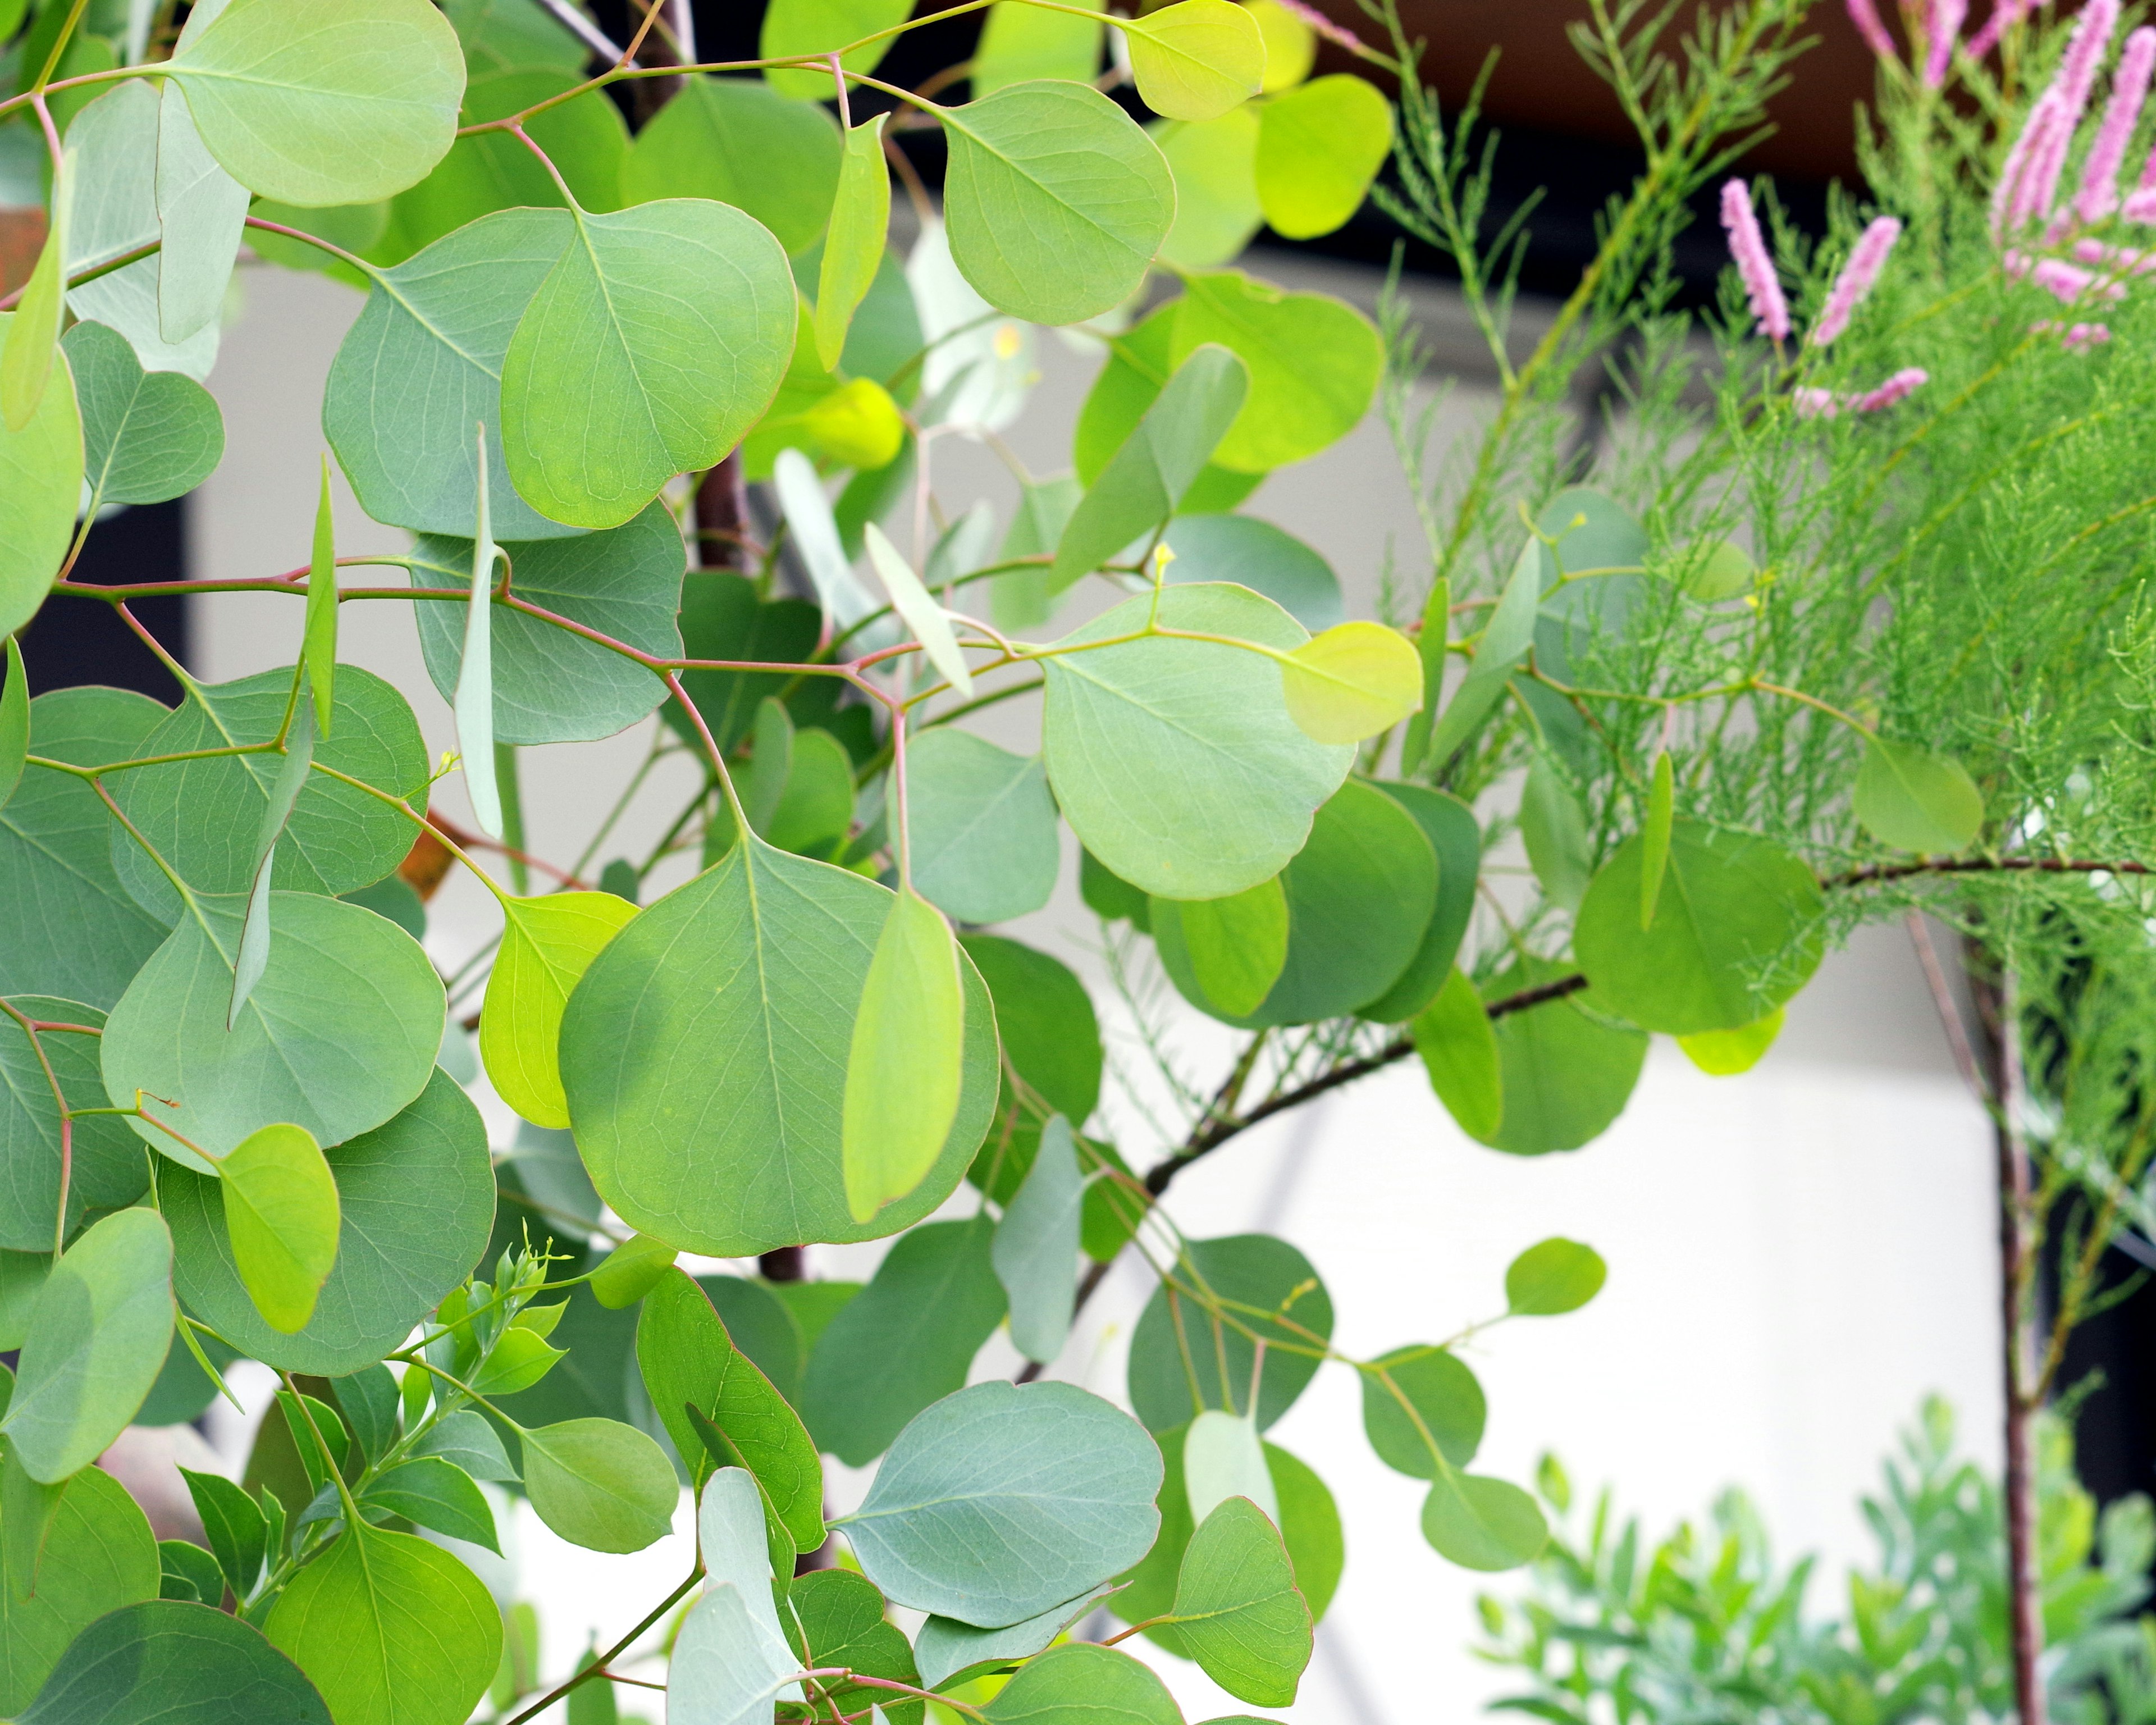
x: 1871, y: 872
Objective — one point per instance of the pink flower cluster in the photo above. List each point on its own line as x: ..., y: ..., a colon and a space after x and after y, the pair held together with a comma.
x: 1827, y: 405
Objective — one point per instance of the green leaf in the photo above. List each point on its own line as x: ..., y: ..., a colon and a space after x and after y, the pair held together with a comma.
x: 146, y: 435
x: 27, y: 1510
x: 437, y: 1494
x: 1736, y: 932
x: 1354, y: 681
x: 416, y: 1197
x: 34, y: 332
x: 317, y: 1435
x: 1916, y: 800
x: 1482, y: 1523
x: 658, y: 338
x: 1045, y: 1019
x: 688, y: 1358
x: 599, y: 1484
x: 1056, y: 200
x: 105, y: 1170
x: 797, y: 28
x: 1595, y: 537
x: 1138, y: 364
x: 40, y: 483
x: 1431, y: 642
x: 952, y: 1653
x: 472, y: 705
x: 1505, y: 641
x: 740, y: 142
x: 1174, y: 761
x: 551, y: 686
x: 1036, y: 1246
x: 1081, y: 1684
x: 1716, y: 570
x: 1459, y: 1049
x: 1313, y: 360
x: 1232, y: 949
x: 904, y: 1341
x: 281, y: 1216
x: 1003, y: 1500
x: 815, y: 808
x: 98, y: 1335
x: 1565, y: 1073
x: 861, y: 218
x: 65, y: 923
x: 1553, y: 828
x: 368, y: 1399
x: 201, y: 211
x: 1554, y: 1277
x: 1654, y: 837
x: 506, y: 35
x: 1239, y: 1609
x: 318, y: 646
x: 930, y: 623
x: 22, y: 1274
x: 1195, y: 60
x: 906, y: 1070
x: 337, y: 1037
x: 1359, y: 896
x: 206, y: 816
x: 519, y: 1360
x: 232, y: 1521
x: 174, y: 1663
x: 753, y: 968
x: 1257, y: 555
x: 294, y: 763
x: 1222, y: 1457
x: 982, y: 827
x: 765, y: 1326
x: 836, y: 1618
x: 98, y: 1555
x: 630, y: 1271
x: 1723, y: 1054
x: 15, y: 722
x: 280, y: 92
x: 729, y: 1660
x: 1319, y: 146
x: 547, y: 944
x: 1214, y: 163
x: 1146, y: 479
x: 1415, y: 1398
x: 389, y: 1628
x: 446, y: 317
x: 190, y: 1573
x: 1020, y: 42
x: 722, y: 618
x: 465, y: 1439
x: 1456, y: 841
x: 1254, y: 1271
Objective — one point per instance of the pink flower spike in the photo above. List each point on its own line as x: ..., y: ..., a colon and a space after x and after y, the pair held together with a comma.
x: 2003, y: 16
x: 2141, y: 206
x: 1858, y: 277
x: 2067, y: 282
x: 2084, y: 57
x: 1748, y: 247
x: 2038, y: 190
x: 1866, y: 17
x: 1894, y: 389
x: 1815, y: 403
x: 2010, y: 201
x: 1942, y: 23
x: 2083, y: 336
x: 2129, y: 89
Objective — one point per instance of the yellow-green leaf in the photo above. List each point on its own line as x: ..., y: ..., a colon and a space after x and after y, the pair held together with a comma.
x: 930, y: 623
x: 1429, y: 647
x: 1237, y: 945
x: 903, y: 1069
x: 319, y: 642
x: 1916, y: 800
x: 1214, y: 163
x: 282, y: 1216
x: 40, y: 485
x: 547, y: 944
x: 1318, y: 149
x: 1290, y: 44
x: 1353, y: 682
x: 1020, y: 42
x: 856, y: 425
x: 1459, y: 1049
x: 630, y: 1271
x: 854, y: 245
x: 1654, y: 838
x: 14, y: 723
x: 1197, y: 59
x: 25, y: 357
x: 1723, y: 1054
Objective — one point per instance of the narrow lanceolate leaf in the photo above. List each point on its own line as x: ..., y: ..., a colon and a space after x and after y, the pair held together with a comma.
x: 319, y: 644
x: 1196, y: 59
x: 1351, y: 682
x: 1237, y: 1607
x: 1429, y: 647
x: 40, y: 489
x: 25, y: 356
x: 930, y: 623
x: 475, y: 697
x: 547, y: 945
x: 253, y: 957
x: 1036, y: 1245
x: 15, y: 722
x: 854, y: 244
x: 98, y: 1335
x: 815, y: 529
x: 202, y: 212
x: 1654, y: 838
x: 905, y: 1069
x: 282, y: 1216
x: 1510, y: 633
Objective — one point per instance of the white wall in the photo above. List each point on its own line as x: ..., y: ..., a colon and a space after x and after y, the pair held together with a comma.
x: 1796, y: 1257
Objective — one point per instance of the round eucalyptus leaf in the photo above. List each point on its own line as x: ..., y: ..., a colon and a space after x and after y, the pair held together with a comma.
x: 205, y: 816
x: 107, y: 1170
x: 1056, y: 200
x: 1319, y: 147
x: 146, y: 435
x: 1917, y: 800
x: 1736, y: 932
x: 338, y: 1035
x: 1003, y: 1500
x: 704, y: 1056
x: 1481, y: 1523
x: 738, y: 140
x: 416, y: 1198
x: 1427, y: 1396
x: 551, y: 686
x: 1050, y: 1034
x: 1261, y: 1274
x: 99, y: 1556
x: 1456, y: 839
x: 1360, y: 895
x: 1175, y: 761
x: 1237, y: 1606
x: 1563, y: 1074
x: 170, y: 1662
x: 1082, y: 1684
x: 1255, y: 554
x: 599, y: 1484
x: 1553, y: 1277
x: 982, y: 827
